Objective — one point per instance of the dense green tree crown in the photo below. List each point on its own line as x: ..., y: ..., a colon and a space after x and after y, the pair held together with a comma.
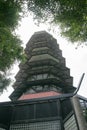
x: 9, y: 13
x: 10, y: 48
x: 71, y: 15
x: 10, y: 44
x: 3, y: 82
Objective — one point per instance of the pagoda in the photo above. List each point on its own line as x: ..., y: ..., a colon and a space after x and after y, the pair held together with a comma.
x: 44, y: 70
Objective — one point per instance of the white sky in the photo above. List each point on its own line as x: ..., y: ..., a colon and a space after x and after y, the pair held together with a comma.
x: 75, y: 58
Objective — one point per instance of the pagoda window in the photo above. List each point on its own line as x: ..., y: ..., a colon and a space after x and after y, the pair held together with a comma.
x: 32, y: 78
x: 42, y: 76
x: 29, y: 91
x: 39, y: 88
x: 45, y: 76
x: 50, y: 76
x: 37, y: 77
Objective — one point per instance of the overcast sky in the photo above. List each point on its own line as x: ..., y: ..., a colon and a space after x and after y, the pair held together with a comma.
x: 76, y: 59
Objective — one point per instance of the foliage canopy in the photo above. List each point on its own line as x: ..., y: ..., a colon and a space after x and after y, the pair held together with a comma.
x: 4, y: 81
x: 71, y: 15
x: 10, y: 44
x: 10, y: 13
x: 10, y: 48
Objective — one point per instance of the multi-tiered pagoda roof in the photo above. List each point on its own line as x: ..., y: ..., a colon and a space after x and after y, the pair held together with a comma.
x: 44, y: 70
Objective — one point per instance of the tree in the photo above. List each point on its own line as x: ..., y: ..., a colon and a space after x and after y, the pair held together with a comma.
x: 10, y: 13
x: 10, y: 45
x: 4, y: 82
x: 70, y: 15
x: 10, y: 48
